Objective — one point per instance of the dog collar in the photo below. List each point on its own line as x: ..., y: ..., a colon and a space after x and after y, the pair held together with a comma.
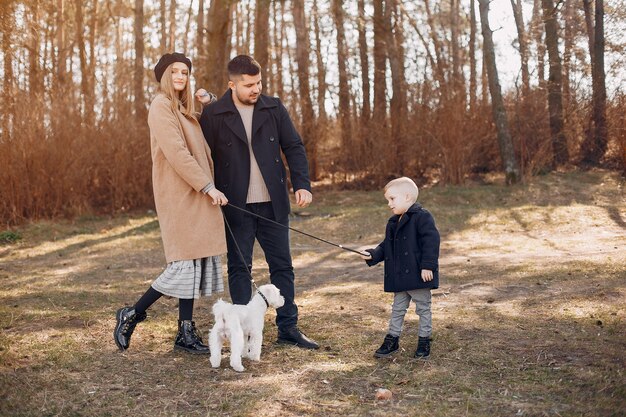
x: 264, y: 299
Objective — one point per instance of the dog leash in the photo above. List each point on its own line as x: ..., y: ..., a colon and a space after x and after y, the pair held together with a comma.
x: 243, y: 260
x: 295, y: 230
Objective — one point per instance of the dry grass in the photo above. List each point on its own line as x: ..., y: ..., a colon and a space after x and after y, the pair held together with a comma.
x: 530, y: 319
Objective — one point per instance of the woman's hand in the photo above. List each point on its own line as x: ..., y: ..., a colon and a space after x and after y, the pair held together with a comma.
x: 218, y: 197
x: 205, y: 97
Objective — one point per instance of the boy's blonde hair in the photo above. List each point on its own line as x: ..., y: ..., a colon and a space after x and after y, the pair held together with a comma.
x: 406, y: 184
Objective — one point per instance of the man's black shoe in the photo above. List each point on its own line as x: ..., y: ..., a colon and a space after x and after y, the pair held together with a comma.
x: 423, y: 348
x: 390, y: 345
x: 293, y: 336
x: 127, y: 319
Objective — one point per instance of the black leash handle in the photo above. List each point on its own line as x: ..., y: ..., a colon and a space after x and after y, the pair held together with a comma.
x: 298, y: 231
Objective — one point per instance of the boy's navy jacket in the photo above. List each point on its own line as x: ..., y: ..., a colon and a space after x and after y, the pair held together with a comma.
x: 411, y: 244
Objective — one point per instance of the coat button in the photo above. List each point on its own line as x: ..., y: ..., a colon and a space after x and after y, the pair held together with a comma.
x: 225, y: 185
x: 282, y: 180
x: 276, y: 160
x: 229, y: 144
x: 271, y: 138
x: 406, y: 271
x: 406, y: 253
x: 404, y: 237
x: 227, y: 164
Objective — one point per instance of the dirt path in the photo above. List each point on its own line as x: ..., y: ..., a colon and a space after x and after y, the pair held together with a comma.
x: 529, y: 320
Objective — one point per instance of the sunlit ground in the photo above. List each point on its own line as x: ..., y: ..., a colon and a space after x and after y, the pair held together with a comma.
x: 529, y: 319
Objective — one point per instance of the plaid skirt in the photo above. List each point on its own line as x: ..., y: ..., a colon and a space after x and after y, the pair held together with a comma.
x: 192, y: 278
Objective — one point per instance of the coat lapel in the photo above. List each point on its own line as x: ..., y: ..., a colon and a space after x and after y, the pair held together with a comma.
x: 234, y: 123
x: 232, y: 119
x: 260, y: 117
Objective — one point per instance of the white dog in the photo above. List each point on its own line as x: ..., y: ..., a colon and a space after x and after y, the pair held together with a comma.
x: 243, y: 326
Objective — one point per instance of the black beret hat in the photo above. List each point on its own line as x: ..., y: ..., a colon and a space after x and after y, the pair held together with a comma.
x: 168, y: 59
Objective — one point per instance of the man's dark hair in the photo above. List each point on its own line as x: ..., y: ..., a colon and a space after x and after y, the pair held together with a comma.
x: 243, y: 64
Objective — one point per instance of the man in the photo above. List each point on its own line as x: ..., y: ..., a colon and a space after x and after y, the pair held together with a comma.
x: 246, y: 132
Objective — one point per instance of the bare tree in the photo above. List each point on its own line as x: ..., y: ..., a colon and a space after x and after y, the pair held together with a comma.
x: 140, y: 107
x: 200, y: 53
x: 162, y: 20
x: 537, y: 33
x: 379, y: 115
x: 307, y: 121
x: 171, y: 43
x: 342, y: 58
x: 522, y: 43
x: 555, y: 83
x: 472, y: 56
x: 363, y: 55
x: 507, y: 151
x: 321, y: 70
x: 398, y: 105
x: 596, y: 141
x: 218, y: 45
x: 6, y: 28
x: 261, y: 34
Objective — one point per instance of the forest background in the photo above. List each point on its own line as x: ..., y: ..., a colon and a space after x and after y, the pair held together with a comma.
x: 377, y: 89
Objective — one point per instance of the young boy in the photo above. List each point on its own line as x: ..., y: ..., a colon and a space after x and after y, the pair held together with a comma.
x: 411, y: 253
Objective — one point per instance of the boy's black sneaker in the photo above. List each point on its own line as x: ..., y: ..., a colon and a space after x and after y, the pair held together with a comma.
x: 390, y: 345
x: 423, y: 348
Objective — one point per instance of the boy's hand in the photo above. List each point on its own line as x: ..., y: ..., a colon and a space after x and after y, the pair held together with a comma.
x: 427, y: 275
x: 367, y: 257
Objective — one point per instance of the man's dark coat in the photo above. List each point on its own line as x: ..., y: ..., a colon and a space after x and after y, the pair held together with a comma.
x: 272, y: 132
x: 411, y: 244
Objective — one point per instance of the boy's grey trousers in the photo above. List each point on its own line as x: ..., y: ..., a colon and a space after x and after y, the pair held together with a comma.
x: 401, y: 301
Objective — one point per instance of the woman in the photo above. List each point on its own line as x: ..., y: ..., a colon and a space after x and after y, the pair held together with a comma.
x: 192, y: 227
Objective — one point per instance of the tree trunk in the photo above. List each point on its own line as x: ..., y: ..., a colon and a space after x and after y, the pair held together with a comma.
x: 201, y: 69
x: 307, y: 121
x: 321, y: 71
x: 162, y: 20
x: 380, y: 66
x: 595, y: 144
x: 6, y: 28
x: 398, y: 105
x: 522, y: 43
x: 344, y: 89
x: 537, y: 31
x: 171, y: 43
x: 363, y: 54
x: 555, y: 82
x: 90, y: 100
x: 35, y: 74
x: 261, y: 35
x: 87, y: 115
x: 217, y: 41
x: 140, y: 107
x: 507, y: 151
x: 61, y: 61
x: 472, y: 52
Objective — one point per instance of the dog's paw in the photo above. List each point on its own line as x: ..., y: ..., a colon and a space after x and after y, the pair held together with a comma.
x: 256, y: 358
x: 238, y: 368
x: 215, y: 363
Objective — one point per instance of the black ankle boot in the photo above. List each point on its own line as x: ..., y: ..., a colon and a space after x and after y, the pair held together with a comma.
x: 127, y: 319
x: 188, y: 338
x: 423, y: 348
x: 390, y: 345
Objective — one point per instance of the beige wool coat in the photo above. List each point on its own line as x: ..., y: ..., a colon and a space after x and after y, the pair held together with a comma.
x: 191, y: 226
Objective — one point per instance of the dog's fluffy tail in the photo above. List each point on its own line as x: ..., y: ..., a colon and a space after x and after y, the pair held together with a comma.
x: 219, y: 309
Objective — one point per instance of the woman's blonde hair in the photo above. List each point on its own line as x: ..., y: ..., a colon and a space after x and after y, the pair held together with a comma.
x: 182, y: 101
